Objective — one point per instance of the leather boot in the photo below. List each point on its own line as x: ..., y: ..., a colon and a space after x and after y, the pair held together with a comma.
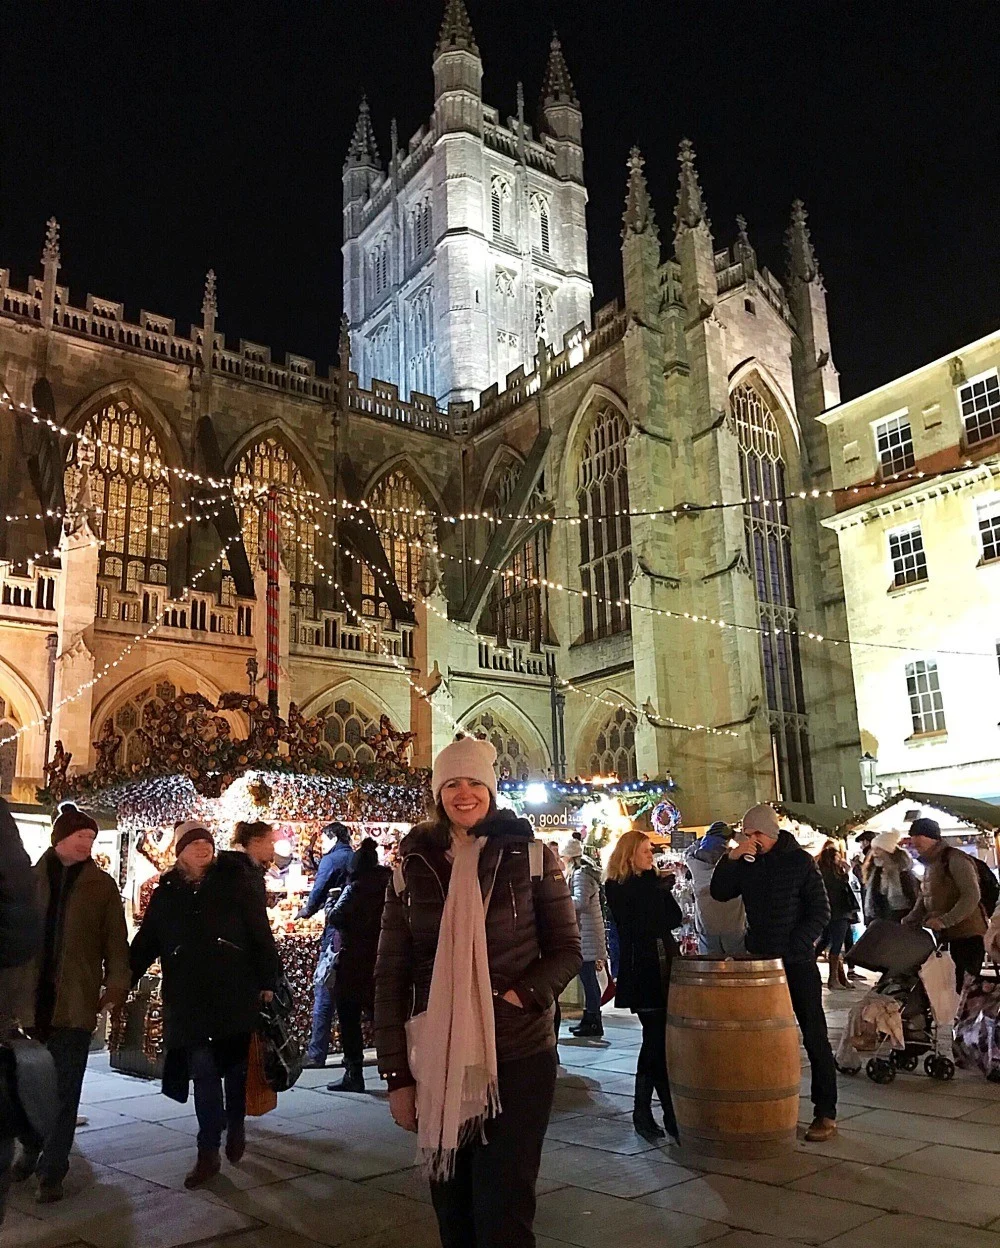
x: 642, y: 1112
x: 667, y: 1105
x: 236, y: 1142
x: 590, y: 1027
x: 833, y: 978
x: 353, y: 1080
x: 842, y: 974
x: 206, y: 1167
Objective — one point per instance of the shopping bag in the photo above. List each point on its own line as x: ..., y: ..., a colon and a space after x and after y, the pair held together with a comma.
x: 280, y: 1051
x: 610, y: 988
x: 261, y: 1097
x: 938, y: 977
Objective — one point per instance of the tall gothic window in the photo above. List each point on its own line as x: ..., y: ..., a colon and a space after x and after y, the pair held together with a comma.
x: 514, y: 760
x: 380, y: 359
x: 605, y: 528
x: 393, y: 504
x: 348, y: 732
x: 613, y: 752
x: 130, y: 491
x: 422, y: 341
x: 540, y: 224
x: 505, y: 316
x: 420, y: 229
x: 380, y: 268
x: 769, y: 549
x: 543, y: 315
x: 269, y: 462
x: 8, y: 748
x: 133, y: 717
x: 500, y: 206
x: 517, y: 610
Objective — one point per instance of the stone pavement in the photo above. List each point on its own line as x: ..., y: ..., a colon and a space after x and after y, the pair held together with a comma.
x: 916, y: 1163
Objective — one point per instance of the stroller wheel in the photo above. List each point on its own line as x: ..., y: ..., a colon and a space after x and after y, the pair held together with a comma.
x: 907, y: 1060
x: 848, y: 1070
x: 880, y: 1071
x: 939, y: 1067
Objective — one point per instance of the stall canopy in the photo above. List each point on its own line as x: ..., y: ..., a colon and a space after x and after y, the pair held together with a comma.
x: 973, y: 811
x: 826, y: 819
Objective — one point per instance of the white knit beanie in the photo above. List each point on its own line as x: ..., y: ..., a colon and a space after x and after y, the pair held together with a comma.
x: 888, y: 842
x: 469, y: 759
x: 762, y: 819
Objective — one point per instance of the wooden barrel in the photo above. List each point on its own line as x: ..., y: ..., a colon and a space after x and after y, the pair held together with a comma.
x: 733, y: 1057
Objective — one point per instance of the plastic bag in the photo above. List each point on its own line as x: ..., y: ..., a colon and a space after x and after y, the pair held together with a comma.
x: 282, y: 1055
x: 261, y: 1097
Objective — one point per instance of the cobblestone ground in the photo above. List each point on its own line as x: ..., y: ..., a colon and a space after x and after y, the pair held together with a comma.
x: 916, y: 1163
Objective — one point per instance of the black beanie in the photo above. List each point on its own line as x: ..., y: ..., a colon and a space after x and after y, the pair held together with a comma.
x: 69, y: 820
x: 926, y: 827
x: 190, y: 832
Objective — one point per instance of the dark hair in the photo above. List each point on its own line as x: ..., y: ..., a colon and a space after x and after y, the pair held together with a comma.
x: 365, y: 858
x: 830, y: 858
x: 245, y: 831
x: 338, y: 831
x: 438, y: 826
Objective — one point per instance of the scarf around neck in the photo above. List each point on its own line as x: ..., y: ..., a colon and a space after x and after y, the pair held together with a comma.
x: 453, y: 1044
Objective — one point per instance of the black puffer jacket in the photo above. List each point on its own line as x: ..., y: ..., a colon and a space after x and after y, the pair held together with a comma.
x: 216, y: 950
x: 357, y: 916
x: 532, y: 940
x: 20, y: 916
x: 786, y: 903
x: 645, y: 914
x: 840, y: 895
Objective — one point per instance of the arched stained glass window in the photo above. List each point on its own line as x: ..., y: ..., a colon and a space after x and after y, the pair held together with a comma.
x: 348, y: 732
x: 613, y: 749
x: 769, y: 551
x: 517, y: 610
x: 8, y: 748
x: 394, y: 503
x: 270, y: 462
x: 132, y: 719
x: 515, y: 761
x: 605, y: 530
x: 129, y: 488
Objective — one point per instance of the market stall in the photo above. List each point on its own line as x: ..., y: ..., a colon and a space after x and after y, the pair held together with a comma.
x: 968, y: 823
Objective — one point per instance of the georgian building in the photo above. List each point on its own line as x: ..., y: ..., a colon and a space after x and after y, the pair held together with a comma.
x: 921, y: 558
x: 448, y: 565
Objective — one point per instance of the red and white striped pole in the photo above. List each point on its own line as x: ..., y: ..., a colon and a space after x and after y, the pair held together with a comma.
x: 273, y: 626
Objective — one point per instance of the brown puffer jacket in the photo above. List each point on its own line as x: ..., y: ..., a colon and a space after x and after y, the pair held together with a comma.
x: 532, y: 940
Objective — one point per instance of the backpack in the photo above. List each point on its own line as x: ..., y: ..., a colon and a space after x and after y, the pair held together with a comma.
x: 989, y: 888
x: 536, y: 865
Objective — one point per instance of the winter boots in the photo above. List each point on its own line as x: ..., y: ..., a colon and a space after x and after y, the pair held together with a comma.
x: 236, y: 1142
x: 837, y: 977
x: 642, y: 1112
x: 353, y: 1080
x: 206, y: 1167
x: 590, y: 1027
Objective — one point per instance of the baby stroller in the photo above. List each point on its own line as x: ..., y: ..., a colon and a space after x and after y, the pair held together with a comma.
x: 910, y: 1011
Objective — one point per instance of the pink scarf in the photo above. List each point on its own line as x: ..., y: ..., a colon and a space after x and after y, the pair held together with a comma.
x: 452, y: 1044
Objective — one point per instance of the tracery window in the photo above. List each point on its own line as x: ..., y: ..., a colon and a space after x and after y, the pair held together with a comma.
x: 505, y: 316
x: 129, y: 487
x: 348, y: 732
x: 540, y: 224
x: 380, y: 356
x: 543, y: 315
x: 132, y: 718
x: 514, y: 760
x: 422, y: 341
x: 394, y: 503
x: 420, y: 229
x: 8, y: 748
x: 613, y: 752
x: 501, y: 205
x: 517, y: 610
x: 769, y: 551
x: 270, y: 462
x: 380, y: 268
x: 605, y: 528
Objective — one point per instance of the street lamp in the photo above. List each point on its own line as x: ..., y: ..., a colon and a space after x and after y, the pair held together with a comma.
x: 868, y: 763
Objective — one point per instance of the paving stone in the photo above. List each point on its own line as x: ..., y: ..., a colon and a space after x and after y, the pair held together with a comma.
x: 21, y: 1230
x: 800, y: 1215
x: 169, y: 1169
x: 951, y: 1163
x: 347, y: 1157
x: 900, y: 1096
x: 587, y: 1220
x: 572, y: 1101
x: 161, y: 1220
x: 90, y: 1191
x: 895, y: 1191
x: 989, y: 1114
x: 778, y: 1171
x: 844, y: 1112
x: 747, y: 1239
x: 614, y: 1135
x: 262, y: 1237
x: 896, y: 1230
x: 851, y: 1145
x: 959, y: 1132
x: 136, y: 1139
x: 149, y: 1108
x: 594, y: 1170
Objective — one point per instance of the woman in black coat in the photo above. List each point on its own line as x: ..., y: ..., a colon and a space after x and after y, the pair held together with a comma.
x: 208, y: 926
x: 646, y: 915
x: 357, y: 916
x: 843, y: 910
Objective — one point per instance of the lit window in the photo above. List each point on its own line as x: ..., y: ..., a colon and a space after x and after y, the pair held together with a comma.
x: 394, y: 504
x: 605, y: 528
x: 979, y: 401
x: 988, y: 514
x: 894, y: 445
x: 613, y: 749
x: 924, y: 690
x: 909, y: 561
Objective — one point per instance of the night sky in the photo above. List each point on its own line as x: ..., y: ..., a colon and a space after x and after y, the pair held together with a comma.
x: 168, y: 138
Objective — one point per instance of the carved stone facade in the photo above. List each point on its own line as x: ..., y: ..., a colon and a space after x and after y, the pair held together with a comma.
x: 704, y: 387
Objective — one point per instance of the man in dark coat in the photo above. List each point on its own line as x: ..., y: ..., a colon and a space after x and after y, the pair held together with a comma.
x: 331, y: 874
x: 787, y: 912
x: 20, y: 936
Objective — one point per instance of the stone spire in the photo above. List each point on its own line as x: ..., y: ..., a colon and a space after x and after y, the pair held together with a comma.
x: 745, y: 253
x: 557, y: 86
x: 363, y: 149
x: 638, y: 216
x: 456, y: 30
x: 209, y: 306
x: 50, y: 252
x: 691, y: 211
x: 802, y: 266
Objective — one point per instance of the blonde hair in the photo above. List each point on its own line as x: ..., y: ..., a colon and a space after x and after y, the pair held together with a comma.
x: 620, y: 864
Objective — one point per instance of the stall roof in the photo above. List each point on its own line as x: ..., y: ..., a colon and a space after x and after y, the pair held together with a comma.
x: 822, y: 818
x: 973, y: 810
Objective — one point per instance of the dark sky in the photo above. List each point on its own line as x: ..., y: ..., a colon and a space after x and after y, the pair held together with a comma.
x: 170, y: 137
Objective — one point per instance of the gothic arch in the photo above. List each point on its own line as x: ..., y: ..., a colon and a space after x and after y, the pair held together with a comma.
x: 518, y: 722
x: 405, y: 463
x: 126, y: 391
x: 501, y: 459
x: 23, y: 706
x: 352, y: 713
x: 577, y: 435
x: 347, y: 687
x: 754, y: 373
x: 278, y: 429
x: 590, y: 726
x: 187, y: 679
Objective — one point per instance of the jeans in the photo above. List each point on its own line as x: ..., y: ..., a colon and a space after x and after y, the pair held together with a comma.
x: 835, y: 936
x: 349, y: 1013
x: 322, y: 1020
x: 614, y: 948
x: 591, y: 988
x: 216, y: 1114
x: 968, y: 953
x: 490, y: 1201
x: 721, y: 945
x: 69, y: 1047
x: 805, y: 987
x: 652, y: 1060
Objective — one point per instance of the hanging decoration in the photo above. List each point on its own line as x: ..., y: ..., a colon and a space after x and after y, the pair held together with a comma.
x: 665, y: 818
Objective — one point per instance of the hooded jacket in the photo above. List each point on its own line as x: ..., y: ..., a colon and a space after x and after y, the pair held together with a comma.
x: 585, y: 887
x: 786, y: 903
x: 532, y: 940
x: 711, y: 917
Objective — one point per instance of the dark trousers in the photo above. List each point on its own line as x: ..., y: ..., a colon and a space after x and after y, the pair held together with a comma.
x: 324, y: 1009
x: 805, y: 987
x: 652, y: 1061
x: 220, y: 1100
x: 490, y: 1202
x: 349, y: 1014
x: 968, y: 953
x: 835, y: 936
x: 69, y: 1047
x: 614, y: 947
x: 591, y: 988
x: 6, y: 1161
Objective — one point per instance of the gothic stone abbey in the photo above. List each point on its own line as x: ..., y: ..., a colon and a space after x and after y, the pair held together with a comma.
x: 471, y: 378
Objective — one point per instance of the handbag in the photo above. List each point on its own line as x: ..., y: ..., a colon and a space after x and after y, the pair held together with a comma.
x: 325, y: 975
x: 282, y: 1055
x: 261, y: 1097
x: 28, y: 1095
